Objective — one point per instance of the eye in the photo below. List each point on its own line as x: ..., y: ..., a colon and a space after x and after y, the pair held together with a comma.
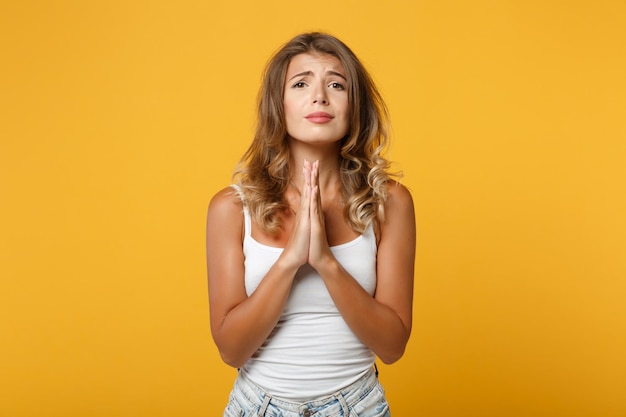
x: 299, y: 84
x: 337, y: 86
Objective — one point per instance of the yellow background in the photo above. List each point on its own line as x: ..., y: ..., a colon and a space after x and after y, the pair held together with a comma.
x: 119, y: 120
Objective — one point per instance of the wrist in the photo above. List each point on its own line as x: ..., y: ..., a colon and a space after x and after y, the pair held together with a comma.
x: 326, y: 265
x: 287, y: 265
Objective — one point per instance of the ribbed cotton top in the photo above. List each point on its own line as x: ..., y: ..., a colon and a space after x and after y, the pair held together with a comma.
x: 311, y: 353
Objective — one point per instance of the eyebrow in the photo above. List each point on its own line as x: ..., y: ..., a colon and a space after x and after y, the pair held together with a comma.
x: 308, y: 73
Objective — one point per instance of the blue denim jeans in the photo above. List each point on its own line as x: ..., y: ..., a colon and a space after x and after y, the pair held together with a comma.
x: 364, y: 398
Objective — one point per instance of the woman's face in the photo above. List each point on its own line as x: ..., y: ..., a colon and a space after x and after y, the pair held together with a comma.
x: 316, y: 99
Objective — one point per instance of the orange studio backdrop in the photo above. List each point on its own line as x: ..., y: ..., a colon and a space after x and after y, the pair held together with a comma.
x: 120, y: 119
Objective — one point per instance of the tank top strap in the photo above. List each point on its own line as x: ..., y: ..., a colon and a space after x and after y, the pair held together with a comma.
x: 247, y: 220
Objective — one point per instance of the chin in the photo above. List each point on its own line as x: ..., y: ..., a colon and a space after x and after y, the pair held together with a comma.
x: 316, y: 139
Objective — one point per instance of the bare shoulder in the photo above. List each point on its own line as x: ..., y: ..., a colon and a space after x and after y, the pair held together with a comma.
x: 398, y: 223
x: 399, y: 200
x: 225, y: 210
x: 226, y: 199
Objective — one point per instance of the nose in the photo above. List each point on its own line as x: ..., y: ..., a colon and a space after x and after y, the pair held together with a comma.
x: 320, y: 100
x: 319, y: 97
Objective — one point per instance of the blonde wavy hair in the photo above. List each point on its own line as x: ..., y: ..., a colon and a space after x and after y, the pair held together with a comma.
x: 263, y: 172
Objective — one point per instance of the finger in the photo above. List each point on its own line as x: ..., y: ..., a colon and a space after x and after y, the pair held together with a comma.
x: 313, y: 182
x: 306, y: 170
x: 306, y: 192
x: 317, y: 213
x: 315, y: 173
x: 316, y: 176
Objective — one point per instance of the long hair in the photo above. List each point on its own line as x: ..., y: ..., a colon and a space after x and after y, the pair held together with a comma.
x: 263, y: 171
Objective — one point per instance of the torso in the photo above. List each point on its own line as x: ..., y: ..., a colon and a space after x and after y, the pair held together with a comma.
x: 311, y: 352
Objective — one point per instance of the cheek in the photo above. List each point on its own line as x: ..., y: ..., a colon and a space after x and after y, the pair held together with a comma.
x: 290, y: 117
x: 347, y: 115
x: 287, y: 112
x: 345, y: 107
x: 289, y: 107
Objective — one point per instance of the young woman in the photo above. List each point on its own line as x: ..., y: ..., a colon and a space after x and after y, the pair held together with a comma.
x: 311, y: 252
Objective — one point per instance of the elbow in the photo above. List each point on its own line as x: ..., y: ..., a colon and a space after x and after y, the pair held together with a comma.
x: 230, y: 359
x: 394, y: 351
x: 392, y: 356
x: 230, y: 352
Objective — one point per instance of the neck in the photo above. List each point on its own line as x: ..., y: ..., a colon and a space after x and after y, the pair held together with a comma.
x: 328, y: 158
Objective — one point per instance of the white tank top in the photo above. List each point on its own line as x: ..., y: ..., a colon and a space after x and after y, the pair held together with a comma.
x: 311, y: 353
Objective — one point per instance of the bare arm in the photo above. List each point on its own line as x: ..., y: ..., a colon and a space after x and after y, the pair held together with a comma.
x: 240, y: 324
x: 382, y: 322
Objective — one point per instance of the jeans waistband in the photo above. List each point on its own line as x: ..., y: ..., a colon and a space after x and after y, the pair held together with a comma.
x: 343, y: 398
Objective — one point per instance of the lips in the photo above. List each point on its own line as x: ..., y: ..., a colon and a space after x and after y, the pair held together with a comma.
x: 319, y: 117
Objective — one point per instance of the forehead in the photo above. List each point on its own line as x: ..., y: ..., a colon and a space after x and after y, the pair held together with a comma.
x: 314, y: 63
